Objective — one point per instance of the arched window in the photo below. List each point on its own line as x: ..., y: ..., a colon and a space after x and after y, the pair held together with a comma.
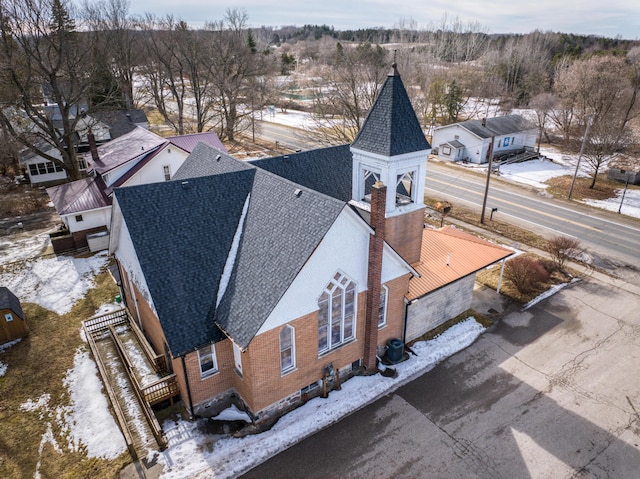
x: 287, y: 349
x: 382, y: 311
x: 337, y: 313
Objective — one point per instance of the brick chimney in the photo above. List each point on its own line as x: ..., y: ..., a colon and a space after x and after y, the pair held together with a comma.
x: 92, y: 146
x: 374, y: 275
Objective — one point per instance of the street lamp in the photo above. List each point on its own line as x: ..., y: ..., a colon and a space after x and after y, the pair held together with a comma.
x: 584, y: 140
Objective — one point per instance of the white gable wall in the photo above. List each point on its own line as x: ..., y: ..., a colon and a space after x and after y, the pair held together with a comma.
x: 344, y: 248
x: 153, y: 172
x: 475, y: 148
x: 90, y: 219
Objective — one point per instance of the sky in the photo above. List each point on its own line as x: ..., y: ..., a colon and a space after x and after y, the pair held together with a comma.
x: 597, y: 17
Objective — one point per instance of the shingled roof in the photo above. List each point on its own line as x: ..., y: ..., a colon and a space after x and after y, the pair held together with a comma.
x: 327, y: 170
x: 184, y: 232
x: 8, y: 300
x: 497, y: 126
x: 392, y: 127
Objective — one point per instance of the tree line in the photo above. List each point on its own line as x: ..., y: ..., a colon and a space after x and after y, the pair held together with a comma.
x: 92, y: 56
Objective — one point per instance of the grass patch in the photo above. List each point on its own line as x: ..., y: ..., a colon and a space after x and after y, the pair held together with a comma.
x: 490, y: 277
x: 604, y: 188
x: 37, y: 365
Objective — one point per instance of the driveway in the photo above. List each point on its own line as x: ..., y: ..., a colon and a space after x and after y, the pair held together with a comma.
x: 553, y: 391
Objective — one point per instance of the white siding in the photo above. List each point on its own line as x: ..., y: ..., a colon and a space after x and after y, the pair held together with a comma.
x: 90, y: 219
x: 153, y: 171
x: 432, y: 310
x: 345, y: 248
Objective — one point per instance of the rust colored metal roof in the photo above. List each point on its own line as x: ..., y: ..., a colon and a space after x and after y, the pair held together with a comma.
x: 449, y: 254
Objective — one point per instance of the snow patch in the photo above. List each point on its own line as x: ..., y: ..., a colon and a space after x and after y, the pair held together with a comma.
x: 87, y: 417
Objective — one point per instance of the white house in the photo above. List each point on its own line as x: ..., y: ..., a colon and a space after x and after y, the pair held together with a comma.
x: 136, y: 158
x: 476, y: 140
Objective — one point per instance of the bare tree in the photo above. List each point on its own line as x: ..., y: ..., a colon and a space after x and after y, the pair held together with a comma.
x: 45, y: 63
x: 235, y: 65
x: 563, y: 248
x: 348, y: 90
x: 543, y: 105
x: 118, y: 41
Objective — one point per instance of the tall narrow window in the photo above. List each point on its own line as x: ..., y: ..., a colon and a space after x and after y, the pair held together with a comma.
x: 382, y: 311
x: 237, y: 358
x: 207, y: 359
x: 287, y: 349
x: 336, y: 313
x: 167, y: 172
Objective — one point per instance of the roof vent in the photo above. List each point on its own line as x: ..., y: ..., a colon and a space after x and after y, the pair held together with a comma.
x: 297, y: 192
x: 218, y: 157
x: 185, y: 185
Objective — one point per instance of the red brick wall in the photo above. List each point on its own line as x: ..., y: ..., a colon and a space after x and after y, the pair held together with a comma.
x: 404, y: 234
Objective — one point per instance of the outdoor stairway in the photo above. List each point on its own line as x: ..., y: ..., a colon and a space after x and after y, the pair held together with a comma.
x: 510, y: 158
x: 133, y: 377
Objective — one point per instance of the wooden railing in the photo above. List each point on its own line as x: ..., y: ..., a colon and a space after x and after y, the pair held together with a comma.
x: 158, y: 361
x: 163, y: 388
x: 101, y: 322
x: 145, y: 406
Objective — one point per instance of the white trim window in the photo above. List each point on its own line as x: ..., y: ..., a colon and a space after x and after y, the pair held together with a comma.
x: 382, y: 311
x: 237, y: 358
x: 287, y: 349
x: 207, y: 360
x: 166, y: 170
x: 337, y: 313
x: 8, y: 317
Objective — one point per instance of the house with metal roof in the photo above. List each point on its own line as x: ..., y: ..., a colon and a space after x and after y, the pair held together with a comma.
x: 475, y: 140
x: 135, y: 158
x: 266, y: 282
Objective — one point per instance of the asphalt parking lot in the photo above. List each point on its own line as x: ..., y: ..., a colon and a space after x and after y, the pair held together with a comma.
x: 553, y: 391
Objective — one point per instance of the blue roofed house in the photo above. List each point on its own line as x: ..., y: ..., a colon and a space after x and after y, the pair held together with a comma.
x: 263, y: 282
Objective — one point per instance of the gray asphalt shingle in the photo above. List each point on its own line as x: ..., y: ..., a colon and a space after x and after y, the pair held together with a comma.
x: 392, y: 127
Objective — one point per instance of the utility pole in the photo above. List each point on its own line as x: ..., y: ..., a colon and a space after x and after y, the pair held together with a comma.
x: 624, y: 193
x: 486, y: 189
x: 584, y: 140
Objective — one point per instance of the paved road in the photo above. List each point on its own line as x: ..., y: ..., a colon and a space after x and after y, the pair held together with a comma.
x: 286, y: 136
x: 551, y: 392
x: 603, y: 233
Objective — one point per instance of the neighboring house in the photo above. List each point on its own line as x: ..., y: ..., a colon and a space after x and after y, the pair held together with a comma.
x: 105, y: 126
x: 476, y: 140
x: 265, y: 282
x: 12, y: 320
x: 138, y: 157
x: 625, y: 169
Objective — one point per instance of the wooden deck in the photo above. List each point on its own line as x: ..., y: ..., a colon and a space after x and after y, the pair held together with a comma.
x: 135, y: 378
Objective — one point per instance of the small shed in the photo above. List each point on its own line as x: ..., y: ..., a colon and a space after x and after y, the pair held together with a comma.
x: 12, y: 320
x: 625, y: 169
